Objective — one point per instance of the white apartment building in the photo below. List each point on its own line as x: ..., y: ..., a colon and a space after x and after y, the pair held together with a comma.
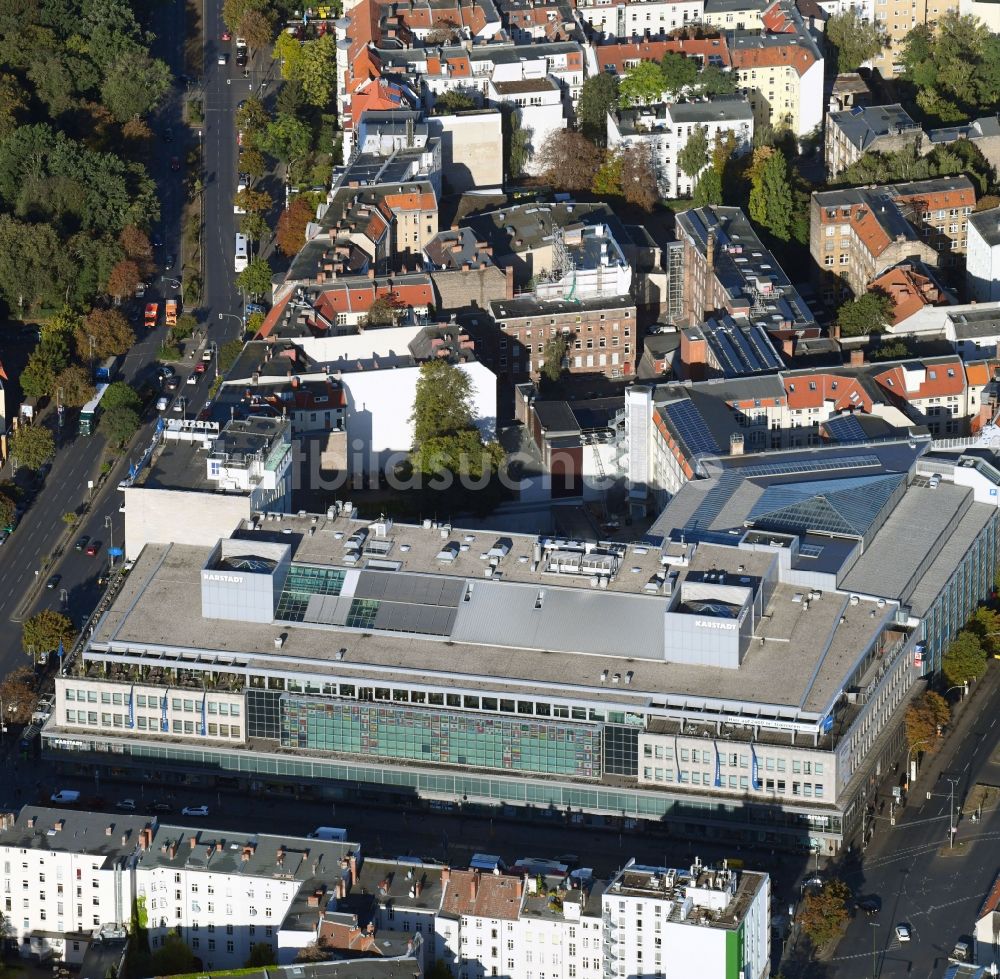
x: 666, y: 128
x: 982, y: 261
x: 675, y: 924
x: 538, y: 103
x: 628, y: 18
x: 69, y: 873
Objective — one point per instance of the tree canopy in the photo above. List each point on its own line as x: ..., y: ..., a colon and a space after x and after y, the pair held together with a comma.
x: 43, y: 631
x: 103, y: 333
x: 964, y: 659
x: 825, y: 912
x: 255, y: 279
x: 771, y: 197
x: 32, y: 446
x: 924, y: 718
x: 567, y: 160
x: 854, y: 39
x: 598, y: 96
x: 642, y: 84
x: 961, y: 156
x: 869, y: 313
x: 693, y: 157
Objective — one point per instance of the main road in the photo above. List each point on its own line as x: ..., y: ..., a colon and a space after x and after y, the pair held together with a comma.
x: 77, y: 460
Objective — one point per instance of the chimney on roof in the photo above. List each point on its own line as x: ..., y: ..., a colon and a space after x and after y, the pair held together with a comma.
x: 109, y: 829
x: 445, y: 875
x: 192, y: 841
x: 354, y: 870
x: 736, y: 444
x: 371, y: 273
x: 509, y: 274
x: 172, y: 851
x: 60, y: 824
x: 474, y: 885
x: 710, y: 250
x: 857, y: 356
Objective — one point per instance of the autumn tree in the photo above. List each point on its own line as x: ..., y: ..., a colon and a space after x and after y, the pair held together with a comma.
x: 43, y: 631
x: 135, y: 244
x: 825, y: 912
x: 639, y: 178
x: 17, y: 694
x: 233, y: 11
x: 318, y: 70
x: 608, y: 178
x: 74, y: 387
x: 104, y: 333
x: 32, y: 446
x: 124, y: 279
x: 568, y: 160
x: 924, y: 718
x: 251, y: 163
x: 985, y: 623
x: 256, y: 29
x: 384, y: 311
x: 964, y: 659
x: 253, y: 201
x: 291, y: 230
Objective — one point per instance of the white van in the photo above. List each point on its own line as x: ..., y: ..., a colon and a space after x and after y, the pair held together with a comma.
x: 329, y: 833
x: 65, y: 795
x: 241, y: 253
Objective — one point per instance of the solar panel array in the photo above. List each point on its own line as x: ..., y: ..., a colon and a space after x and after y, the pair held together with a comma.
x: 691, y: 428
x: 845, y: 428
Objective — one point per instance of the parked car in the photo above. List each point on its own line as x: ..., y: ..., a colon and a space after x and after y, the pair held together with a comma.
x: 199, y: 368
x: 82, y: 542
x: 126, y: 805
x: 171, y: 384
x: 165, y: 371
x: 255, y: 308
x: 168, y: 263
x: 192, y: 379
x: 53, y: 582
x: 223, y: 58
x: 161, y: 404
x: 160, y: 807
x: 175, y: 163
x: 65, y: 795
x: 194, y: 811
x: 903, y: 932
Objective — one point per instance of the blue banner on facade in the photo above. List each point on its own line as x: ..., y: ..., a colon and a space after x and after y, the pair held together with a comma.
x: 131, y: 707
x: 164, y: 726
x: 754, y: 779
x: 718, y: 767
x: 204, y: 722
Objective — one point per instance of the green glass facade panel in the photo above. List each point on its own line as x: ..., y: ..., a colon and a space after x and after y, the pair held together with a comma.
x: 301, y: 583
x: 441, y: 737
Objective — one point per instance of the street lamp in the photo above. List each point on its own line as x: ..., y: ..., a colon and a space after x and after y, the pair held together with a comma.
x: 964, y: 687
x: 176, y: 283
x: 912, y: 775
x: 111, y: 545
x: 873, y: 925
x: 951, y: 813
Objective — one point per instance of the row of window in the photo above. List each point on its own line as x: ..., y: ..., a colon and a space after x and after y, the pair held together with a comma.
x: 150, y: 700
x: 90, y: 718
x: 742, y: 782
x: 731, y: 759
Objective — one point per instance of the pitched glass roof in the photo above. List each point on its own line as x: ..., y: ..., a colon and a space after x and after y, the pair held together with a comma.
x: 846, y: 506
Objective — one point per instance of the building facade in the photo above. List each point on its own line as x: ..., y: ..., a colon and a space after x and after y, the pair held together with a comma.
x: 982, y: 265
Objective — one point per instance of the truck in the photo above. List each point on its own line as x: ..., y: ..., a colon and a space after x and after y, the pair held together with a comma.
x: 106, y: 371
x: 152, y: 314
x: 329, y: 833
x: 171, y: 312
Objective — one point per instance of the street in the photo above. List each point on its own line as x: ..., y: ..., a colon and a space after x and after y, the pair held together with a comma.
x: 77, y: 459
x: 934, y: 890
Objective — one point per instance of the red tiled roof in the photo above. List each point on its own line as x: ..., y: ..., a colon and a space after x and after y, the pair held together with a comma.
x: 411, y: 202
x: 272, y: 319
x: 814, y: 390
x: 470, y: 892
x: 910, y: 291
x: 941, y: 384
x: 615, y: 55
x: 343, y: 298
x: 992, y: 901
x: 772, y: 56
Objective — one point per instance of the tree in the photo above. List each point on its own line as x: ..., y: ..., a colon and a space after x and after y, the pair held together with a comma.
x: 121, y: 395
x: 252, y: 163
x: 255, y: 279
x: 555, y: 354
x: 104, y: 333
x: 318, y: 951
x: 135, y: 87
x: 854, y: 39
x: 693, y: 158
x: 38, y: 379
x: 517, y: 143
x: 714, y: 81
x: 254, y: 322
x: 384, y: 311
x: 317, y: 70
x: 173, y: 958
x: 135, y: 244
x: 924, y: 718
x: 291, y: 230
x: 184, y: 327
x: 708, y: 190
x: 288, y: 50
x: 771, y: 193
x: 869, y: 313
x: 964, y: 659
x: 43, y: 632
x: 17, y: 694
x: 286, y: 139
x: 261, y: 955
x: 985, y: 623
x: 598, y: 97
x: 13, y: 103
x: 825, y: 912
x: 74, y: 386
x: 252, y: 117
x: 32, y: 446
x: 228, y: 354
x: 124, y: 279
x: 679, y: 72
x: 442, y: 404
x: 253, y: 226
x: 453, y: 101
x: 642, y: 84
x: 568, y: 160
x: 256, y: 29
x: 608, y: 179
x: 120, y: 424
x: 253, y: 201
x: 8, y: 511
x: 233, y: 11
x: 638, y: 177
x: 34, y: 267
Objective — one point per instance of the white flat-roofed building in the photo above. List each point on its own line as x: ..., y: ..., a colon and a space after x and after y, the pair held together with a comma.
x: 666, y: 128
x: 982, y: 262
x: 680, y: 923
